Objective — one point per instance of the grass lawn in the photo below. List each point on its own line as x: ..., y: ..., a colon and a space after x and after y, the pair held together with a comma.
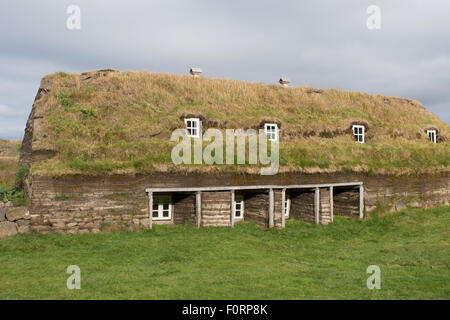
x: 303, y: 261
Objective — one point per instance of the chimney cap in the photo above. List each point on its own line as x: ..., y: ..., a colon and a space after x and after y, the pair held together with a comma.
x: 195, y: 71
x: 284, y: 81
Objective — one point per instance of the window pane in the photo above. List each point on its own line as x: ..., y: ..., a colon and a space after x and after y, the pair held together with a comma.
x: 166, y: 213
x: 155, y: 207
x: 155, y: 214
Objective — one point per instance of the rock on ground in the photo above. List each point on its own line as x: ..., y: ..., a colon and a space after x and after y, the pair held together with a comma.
x: 7, y: 228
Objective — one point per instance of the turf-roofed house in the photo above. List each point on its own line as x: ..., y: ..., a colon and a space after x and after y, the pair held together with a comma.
x: 100, y: 155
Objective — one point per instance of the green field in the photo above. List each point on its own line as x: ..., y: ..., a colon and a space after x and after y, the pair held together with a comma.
x: 303, y: 261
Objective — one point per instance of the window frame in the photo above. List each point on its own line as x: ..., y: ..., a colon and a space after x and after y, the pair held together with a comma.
x: 238, y: 199
x: 287, y: 205
x: 188, y: 128
x: 434, y: 132
x: 269, y: 133
x: 356, y: 135
x: 157, y: 200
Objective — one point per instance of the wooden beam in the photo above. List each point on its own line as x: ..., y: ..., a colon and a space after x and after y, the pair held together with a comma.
x: 283, y: 200
x: 361, y: 202
x: 233, y: 208
x: 331, y: 204
x: 198, y: 208
x: 271, y: 208
x: 316, y: 205
x: 150, y: 210
x: 256, y: 187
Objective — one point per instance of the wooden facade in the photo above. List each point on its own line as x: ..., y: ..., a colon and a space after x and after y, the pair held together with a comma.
x: 264, y: 205
x: 79, y: 203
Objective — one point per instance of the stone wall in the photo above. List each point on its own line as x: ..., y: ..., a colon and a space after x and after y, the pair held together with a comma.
x: 13, y: 220
x: 278, y: 208
x: 325, y: 208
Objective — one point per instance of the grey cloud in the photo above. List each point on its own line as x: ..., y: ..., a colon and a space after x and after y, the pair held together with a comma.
x: 321, y: 43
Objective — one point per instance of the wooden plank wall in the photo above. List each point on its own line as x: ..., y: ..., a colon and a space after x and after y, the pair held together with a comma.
x: 346, y: 202
x: 183, y: 208
x: 302, y: 205
x: 216, y: 209
x: 257, y: 208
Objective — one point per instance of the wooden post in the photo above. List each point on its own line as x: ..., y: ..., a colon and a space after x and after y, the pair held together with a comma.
x: 283, y: 214
x: 271, y: 207
x: 198, y: 208
x: 331, y: 204
x: 316, y: 205
x: 361, y: 202
x: 233, y: 208
x: 150, y: 209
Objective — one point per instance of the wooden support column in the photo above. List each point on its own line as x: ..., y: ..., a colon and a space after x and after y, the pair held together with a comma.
x: 150, y: 210
x: 271, y: 208
x: 283, y: 214
x: 331, y: 204
x: 316, y: 205
x: 233, y: 208
x: 361, y: 201
x: 198, y: 208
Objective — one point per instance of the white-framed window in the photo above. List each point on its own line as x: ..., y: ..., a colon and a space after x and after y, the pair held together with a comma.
x: 193, y: 127
x: 432, y: 135
x: 162, y: 208
x: 239, y: 207
x: 287, y: 205
x: 271, y: 130
x: 358, y: 133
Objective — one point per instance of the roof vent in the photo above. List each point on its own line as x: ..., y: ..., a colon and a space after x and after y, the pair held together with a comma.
x: 284, y: 82
x: 196, y: 72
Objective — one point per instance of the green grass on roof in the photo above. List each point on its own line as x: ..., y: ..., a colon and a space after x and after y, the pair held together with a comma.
x: 121, y: 122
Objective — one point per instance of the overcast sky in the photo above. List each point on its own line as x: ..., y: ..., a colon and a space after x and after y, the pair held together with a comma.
x: 320, y: 43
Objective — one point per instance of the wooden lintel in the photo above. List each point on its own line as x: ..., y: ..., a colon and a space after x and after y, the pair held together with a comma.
x: 256, y: 187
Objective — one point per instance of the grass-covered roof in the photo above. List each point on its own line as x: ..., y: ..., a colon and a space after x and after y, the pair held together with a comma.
x: 121, y: 122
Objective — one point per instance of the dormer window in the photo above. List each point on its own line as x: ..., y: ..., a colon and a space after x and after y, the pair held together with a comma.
x: 358, y: 133
x: 193, y: 127
x: 271, y: 130
x: 432, y: 135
